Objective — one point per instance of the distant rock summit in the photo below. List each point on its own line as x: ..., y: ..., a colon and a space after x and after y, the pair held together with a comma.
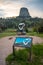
x: 24, y: 13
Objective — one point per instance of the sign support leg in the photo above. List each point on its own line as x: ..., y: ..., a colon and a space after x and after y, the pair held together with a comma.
x: 13, y: 50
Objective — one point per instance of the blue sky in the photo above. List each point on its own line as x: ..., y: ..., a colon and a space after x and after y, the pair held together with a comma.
x: 9, y: 8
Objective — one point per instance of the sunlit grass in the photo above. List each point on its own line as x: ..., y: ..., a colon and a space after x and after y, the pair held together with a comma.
x: 8, y: 32
x: 21, y: 57
x: 35, y: 34
x: 12, y: 32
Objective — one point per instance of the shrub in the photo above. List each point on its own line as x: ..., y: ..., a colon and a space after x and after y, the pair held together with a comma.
x: 26, y: 30
x: 40, y: 30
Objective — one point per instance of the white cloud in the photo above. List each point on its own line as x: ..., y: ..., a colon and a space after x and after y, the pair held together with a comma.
x: 12, y: 8
x: 36, y: 13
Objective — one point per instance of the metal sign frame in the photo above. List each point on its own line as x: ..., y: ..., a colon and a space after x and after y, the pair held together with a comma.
x: 30, y: 48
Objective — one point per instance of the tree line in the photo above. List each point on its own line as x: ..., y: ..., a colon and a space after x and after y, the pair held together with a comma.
x: 35, y: 23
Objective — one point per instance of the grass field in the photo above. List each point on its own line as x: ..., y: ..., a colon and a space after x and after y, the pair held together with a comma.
x: 35, y: 34
x: 8, y: 32
x: 12, y: 32
x: 21, y: 56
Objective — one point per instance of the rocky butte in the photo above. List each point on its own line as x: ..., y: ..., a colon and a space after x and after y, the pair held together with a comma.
x: 24, y: 14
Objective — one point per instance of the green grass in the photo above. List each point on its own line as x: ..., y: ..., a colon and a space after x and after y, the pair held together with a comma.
x: 8, y: 32
x: 12, y: 32
x: 35, y: 34
x: 21, y: 56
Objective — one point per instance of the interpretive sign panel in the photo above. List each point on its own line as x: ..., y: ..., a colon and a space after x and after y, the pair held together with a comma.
x: 23, y: 41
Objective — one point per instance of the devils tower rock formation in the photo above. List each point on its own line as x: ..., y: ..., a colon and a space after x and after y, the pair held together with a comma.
x: 24, y: 13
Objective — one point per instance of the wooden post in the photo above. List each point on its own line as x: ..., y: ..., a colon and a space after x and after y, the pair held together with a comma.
x: 30, y: 53
x: 13, y: 50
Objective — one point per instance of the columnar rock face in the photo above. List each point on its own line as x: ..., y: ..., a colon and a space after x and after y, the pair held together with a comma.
x: 24, y: 12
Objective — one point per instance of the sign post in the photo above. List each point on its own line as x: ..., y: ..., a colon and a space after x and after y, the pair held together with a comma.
x: 25, y: 42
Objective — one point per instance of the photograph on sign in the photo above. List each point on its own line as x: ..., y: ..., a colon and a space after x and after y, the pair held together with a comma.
x: 23, y: 41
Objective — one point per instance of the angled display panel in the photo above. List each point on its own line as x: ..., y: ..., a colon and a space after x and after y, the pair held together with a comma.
x: 23, y: 41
